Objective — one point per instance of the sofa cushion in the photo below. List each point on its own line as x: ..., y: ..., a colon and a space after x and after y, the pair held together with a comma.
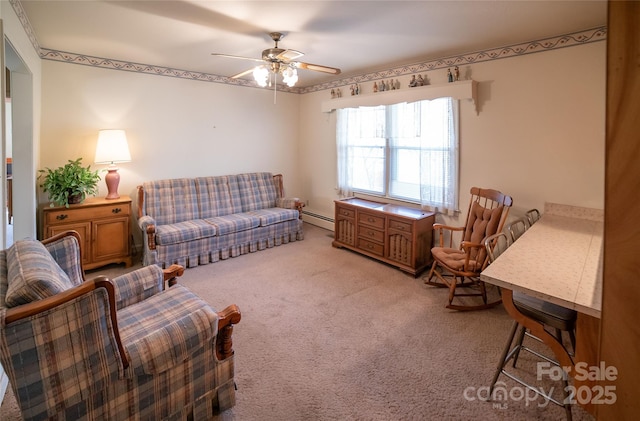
x: 238, y: 222
x: 171, y: 201
x: 66, y: 253
x: 257, y: 191
x: 218, y: 196
x: 166, y: 329
x: 32, y: 274
x: 182, y: 232
x: 274, y: 215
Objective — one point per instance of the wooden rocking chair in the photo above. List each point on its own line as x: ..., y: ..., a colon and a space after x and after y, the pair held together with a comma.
x: 460, y: 267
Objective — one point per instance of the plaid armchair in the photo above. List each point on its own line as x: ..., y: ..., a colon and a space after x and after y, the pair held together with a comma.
x: 121, y: 349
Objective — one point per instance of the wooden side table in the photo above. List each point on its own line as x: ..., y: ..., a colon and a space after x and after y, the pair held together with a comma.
x: 104, y: 226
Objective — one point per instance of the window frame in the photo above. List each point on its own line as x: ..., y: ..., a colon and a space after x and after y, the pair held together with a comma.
x: 391, y: 160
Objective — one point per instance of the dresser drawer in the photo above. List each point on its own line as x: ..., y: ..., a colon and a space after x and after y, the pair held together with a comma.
x: 370, y: 233
x: 345, y: 212
x: 372, y: 220
x: 397, y: 225
x: 61, y: 216
x: 371, y: 247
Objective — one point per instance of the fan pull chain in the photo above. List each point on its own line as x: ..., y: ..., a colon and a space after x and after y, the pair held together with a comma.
x: 275, y: 85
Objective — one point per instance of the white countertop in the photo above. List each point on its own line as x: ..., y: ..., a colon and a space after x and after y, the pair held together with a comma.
x: 558, y: 259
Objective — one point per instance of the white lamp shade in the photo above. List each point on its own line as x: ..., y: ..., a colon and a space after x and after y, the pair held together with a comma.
x: 112, y: 147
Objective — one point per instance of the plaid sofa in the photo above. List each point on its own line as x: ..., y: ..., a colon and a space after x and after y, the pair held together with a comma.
x: 121, y: 349
x: 196, y: 221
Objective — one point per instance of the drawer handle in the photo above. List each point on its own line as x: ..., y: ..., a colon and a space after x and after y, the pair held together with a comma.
x: 370, y: 246
x: 116, y: 210
x: 62, y: 217
x: 399, y: 227
x: 371, y: 233
x: 371, y: 220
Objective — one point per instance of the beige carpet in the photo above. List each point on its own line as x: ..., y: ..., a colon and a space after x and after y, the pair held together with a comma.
x: 327, y: 334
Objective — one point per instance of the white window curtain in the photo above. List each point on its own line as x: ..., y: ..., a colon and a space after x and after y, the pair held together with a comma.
x: 439, y: 157
x: 345, y: 171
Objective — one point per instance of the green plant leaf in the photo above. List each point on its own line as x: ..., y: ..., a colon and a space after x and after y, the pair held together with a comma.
x: 72, y: 179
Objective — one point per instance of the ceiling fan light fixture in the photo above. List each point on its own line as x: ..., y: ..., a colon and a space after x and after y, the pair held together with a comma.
x: 290, y: 76
x: 261, y: 75
x: 278, y: 60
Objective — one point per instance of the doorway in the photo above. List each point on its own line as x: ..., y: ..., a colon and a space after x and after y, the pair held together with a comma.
x: 19, y: 192
x: 16, y: 132
x: 8, y: 159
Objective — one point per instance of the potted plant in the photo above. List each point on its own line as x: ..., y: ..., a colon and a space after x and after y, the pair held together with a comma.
x: 69, y: 184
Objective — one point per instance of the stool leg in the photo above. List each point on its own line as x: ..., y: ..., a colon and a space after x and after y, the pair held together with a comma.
x: 558, y: 334
x: 519, y: 345
x: 503, y: 357
x: 572, y: 338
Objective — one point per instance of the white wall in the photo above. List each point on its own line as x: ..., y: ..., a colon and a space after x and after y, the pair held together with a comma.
x: 538, y: 136
x: 175, y: 127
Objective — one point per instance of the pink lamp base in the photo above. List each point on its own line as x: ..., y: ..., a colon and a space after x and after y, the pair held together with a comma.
x: 112, y: 179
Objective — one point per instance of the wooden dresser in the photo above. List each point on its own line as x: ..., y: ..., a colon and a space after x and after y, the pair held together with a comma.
x: 397, y: 235
x: 103, y: 225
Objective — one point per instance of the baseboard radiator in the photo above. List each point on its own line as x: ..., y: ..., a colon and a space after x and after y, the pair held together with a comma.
x: 317, y: 219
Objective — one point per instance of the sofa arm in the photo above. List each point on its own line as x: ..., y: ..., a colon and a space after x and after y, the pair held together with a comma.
x: 148, y: 226
x: 290, y: 203
x: 143, y: 283
x: 171, y: 274
x: 62, y: 349
x: 138, y: 285
x: 226, y: 319
x: 88, y: 307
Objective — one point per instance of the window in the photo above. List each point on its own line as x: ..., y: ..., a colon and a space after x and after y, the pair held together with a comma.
x: 406, y: 151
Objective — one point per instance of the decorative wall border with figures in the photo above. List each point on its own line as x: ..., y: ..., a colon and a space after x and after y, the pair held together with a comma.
x: 463, y: 89
x: 546, y: 44
x: 450, y: 63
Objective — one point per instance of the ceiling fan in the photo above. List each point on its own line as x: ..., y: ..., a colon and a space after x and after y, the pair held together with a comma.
x: 278, y: 60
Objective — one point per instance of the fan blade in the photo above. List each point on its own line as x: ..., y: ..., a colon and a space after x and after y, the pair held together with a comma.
x: 318, y: 68
x: 289, y: 55
x: 246, y: 72
x: 240, y: 57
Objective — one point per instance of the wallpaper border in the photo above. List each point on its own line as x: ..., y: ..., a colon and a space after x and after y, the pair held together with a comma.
x: 515, y: 50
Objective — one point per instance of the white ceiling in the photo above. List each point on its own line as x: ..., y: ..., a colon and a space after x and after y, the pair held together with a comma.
x: 355, y: 36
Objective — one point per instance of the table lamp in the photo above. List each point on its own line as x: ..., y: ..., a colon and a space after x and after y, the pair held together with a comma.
x: 112, y: 148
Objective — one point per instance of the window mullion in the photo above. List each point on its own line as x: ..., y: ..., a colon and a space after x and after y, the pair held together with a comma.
x: 388, y: 155
x: 387, y: 166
